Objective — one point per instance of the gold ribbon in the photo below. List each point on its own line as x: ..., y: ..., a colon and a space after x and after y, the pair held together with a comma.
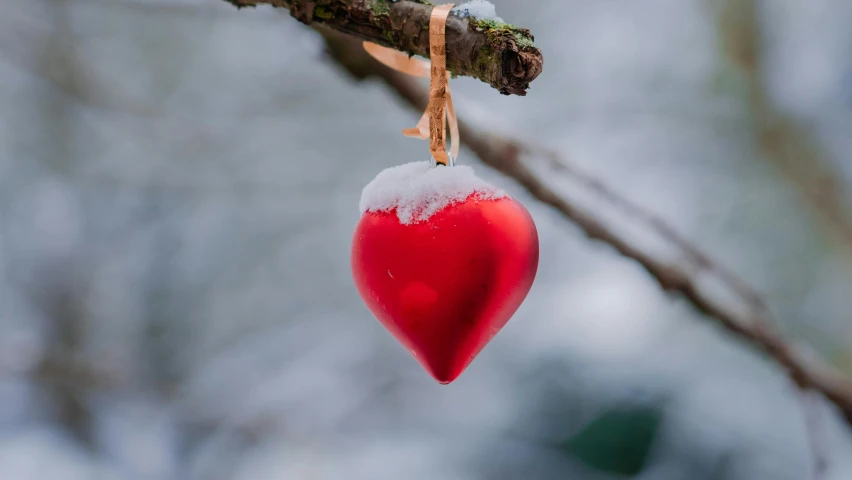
x: 433, y: 123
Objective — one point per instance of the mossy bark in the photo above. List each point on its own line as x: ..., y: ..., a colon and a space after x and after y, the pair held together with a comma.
x: 502, y: 55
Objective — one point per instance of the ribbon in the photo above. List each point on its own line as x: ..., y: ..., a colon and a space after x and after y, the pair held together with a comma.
x: 440, y: 111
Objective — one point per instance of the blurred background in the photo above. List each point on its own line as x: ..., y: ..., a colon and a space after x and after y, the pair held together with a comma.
x: 179, y: 182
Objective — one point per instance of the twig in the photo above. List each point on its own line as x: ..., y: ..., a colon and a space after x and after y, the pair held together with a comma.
x: 753, y: 322
x: 501, y: 55
x: 816, y: 432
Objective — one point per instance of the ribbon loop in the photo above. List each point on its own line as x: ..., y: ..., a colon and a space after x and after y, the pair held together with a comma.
x: 440, y: 111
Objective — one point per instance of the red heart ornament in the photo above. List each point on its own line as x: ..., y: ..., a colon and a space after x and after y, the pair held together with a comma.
x: 446, y: 283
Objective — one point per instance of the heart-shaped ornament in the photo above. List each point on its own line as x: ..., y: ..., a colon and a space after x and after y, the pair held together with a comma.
x: 443, y: 260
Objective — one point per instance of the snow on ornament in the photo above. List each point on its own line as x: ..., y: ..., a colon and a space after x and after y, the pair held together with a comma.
x: 442, y: 258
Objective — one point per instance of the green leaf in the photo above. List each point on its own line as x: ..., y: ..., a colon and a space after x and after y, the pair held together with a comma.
x: 618, y: 441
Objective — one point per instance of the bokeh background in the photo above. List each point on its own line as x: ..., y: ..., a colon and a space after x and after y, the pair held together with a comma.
x: 179, y: 182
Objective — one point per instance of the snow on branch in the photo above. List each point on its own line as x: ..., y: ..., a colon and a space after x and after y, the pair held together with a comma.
x: 479, y: 44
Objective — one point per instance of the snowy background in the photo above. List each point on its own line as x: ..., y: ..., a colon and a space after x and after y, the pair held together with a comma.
x: 179, y: 182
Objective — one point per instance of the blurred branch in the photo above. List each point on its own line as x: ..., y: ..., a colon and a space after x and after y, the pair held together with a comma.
x: 792, y: 150
x: 501, y: 55
x: 788, y: 146
x: 57, y: 291
x: 57, y: 368
x: 67, y: 380
x: 750, y: 319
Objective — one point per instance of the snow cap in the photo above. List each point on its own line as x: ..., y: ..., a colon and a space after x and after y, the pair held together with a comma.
x: 417, y: 190
x: 480, y: 9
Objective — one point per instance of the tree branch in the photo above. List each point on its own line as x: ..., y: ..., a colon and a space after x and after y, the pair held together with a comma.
x: 748, y: 317
x: 499, y: 54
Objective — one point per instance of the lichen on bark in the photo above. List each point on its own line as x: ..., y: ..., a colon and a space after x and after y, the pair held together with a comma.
x: 494, y: 29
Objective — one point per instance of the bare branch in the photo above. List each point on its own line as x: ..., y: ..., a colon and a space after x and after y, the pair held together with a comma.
x: 751, y: 320
x: 501, y: 55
